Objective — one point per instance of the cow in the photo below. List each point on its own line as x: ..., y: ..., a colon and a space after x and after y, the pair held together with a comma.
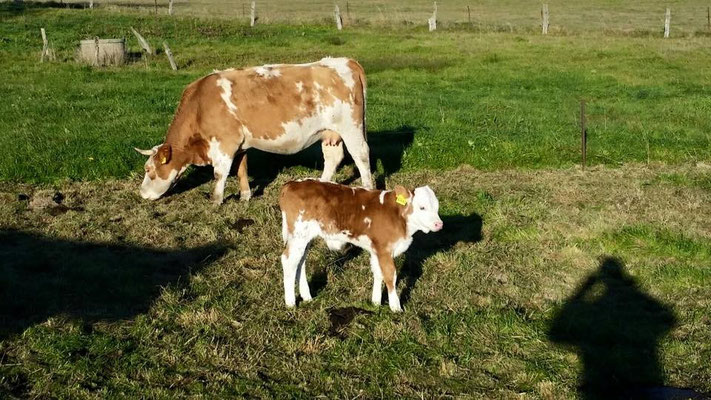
x: 274, y: 108
x: 381, y: 222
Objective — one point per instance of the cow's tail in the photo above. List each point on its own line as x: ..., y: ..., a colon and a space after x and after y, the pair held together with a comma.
x: 361, y: 77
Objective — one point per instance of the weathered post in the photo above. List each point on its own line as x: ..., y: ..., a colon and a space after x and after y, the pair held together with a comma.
x: 143, y: 42
x: 156, y: 6
x: 337, y: 15
x: 348, y: 12
x: 583, y: 134
x: 253, y: 14
x: 667, y: 22
x: 469, y: 15
x: 45, y: 45
x: 708, y: 18
x: 170, y: 7
x: 544, y: 18
x: 432, y: 21
x: 170, y: 56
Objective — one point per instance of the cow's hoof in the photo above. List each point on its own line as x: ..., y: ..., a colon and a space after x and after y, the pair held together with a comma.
x: 245, y: 195
x: 216, y: 201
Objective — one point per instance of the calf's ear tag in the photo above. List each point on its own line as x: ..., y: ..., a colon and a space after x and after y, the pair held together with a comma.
x: 400, y: 199
x: 163, y: 160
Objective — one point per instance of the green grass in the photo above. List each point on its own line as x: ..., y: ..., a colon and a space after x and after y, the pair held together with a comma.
x: 490, y: 100
x: 117, y: 297
x: 545, y: 277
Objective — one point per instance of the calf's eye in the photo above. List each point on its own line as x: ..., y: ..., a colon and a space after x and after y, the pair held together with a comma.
x: 422, y: 208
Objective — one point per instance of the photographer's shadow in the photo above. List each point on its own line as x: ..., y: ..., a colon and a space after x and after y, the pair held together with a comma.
x: 616, y: 329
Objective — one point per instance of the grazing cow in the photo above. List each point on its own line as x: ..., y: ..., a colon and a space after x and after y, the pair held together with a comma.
x: 275, y: 108
x: 381, y: 222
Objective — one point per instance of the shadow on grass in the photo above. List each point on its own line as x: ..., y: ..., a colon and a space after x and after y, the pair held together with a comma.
x: 386, y: 149
x: 457, y: 228
x: 43, y: 277
x: 616, y: 329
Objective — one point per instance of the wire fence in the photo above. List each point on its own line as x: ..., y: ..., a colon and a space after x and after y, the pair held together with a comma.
x: 630, y: 17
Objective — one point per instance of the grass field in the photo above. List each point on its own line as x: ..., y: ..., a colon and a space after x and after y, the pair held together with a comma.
x: 547, y: 281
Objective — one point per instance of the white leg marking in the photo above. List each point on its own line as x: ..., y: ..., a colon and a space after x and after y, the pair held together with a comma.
x: 303, y: 283
x: 296, y: 248
x: 377, y: 295
x: 221, y: 163
x: 393, y: 299
x: 332, y: 156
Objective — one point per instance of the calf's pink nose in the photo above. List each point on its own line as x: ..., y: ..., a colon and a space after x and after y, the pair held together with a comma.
x: 439, y: 225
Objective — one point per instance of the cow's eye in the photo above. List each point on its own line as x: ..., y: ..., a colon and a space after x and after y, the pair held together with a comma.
x: 422, y: 208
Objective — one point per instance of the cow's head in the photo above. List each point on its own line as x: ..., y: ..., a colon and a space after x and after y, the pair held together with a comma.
x: 425, y: 207
x: 161, y: 171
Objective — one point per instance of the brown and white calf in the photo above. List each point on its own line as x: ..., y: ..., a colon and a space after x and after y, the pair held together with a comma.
x: 275, y: 108
x: 381, y: 222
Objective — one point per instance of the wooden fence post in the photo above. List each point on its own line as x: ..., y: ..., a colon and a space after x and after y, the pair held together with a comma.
x: 143, y: 42
x: 45, y: 45
x: 708, y: 18
x: 156, y: 6
x: 253, y: 14
x: 348, y: 12
x: 583, y: 135
x: 432, y: 21
x: 339, y: 21
x: 170, y: 56
x: 667, y: 22
x: 170, y: 7
x: 469, y: 15
x: 544, y: 17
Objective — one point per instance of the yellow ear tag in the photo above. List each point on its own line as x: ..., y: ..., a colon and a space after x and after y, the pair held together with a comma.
x: 163, y: 160
x: 401, y: 200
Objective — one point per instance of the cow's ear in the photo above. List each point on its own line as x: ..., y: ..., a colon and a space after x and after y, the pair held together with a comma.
x: 402, y: 195
x: 164, y: 153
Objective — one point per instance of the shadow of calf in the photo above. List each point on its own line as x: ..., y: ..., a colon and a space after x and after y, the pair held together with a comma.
x: 43, y: 277
x: 457, y: 228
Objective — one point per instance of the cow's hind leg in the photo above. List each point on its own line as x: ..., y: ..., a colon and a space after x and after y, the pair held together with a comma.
x: 358, y: 149
x: 332, y: 147
x: 291, y: 260
x: 245, y: 193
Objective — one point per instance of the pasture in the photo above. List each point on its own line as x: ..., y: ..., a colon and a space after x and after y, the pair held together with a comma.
x: 547, y: 281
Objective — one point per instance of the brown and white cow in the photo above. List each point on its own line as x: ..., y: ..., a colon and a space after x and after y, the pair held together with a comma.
x: 275, y: 108
x: 381, y: 222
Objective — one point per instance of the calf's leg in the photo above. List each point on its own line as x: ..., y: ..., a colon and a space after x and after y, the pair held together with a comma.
x: 303, y: 283
x: 377, y: 279
x: 387, y: 267
x: 293, y: 256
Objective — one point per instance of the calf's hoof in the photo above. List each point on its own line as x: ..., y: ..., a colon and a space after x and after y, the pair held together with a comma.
x: 245, y: 195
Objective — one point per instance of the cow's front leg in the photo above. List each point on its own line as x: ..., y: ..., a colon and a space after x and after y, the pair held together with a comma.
x: 245, y: 193
x: 221, y: 171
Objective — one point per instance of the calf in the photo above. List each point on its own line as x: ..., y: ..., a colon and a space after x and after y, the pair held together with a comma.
x: 274, y: 108
x: 381, y: 222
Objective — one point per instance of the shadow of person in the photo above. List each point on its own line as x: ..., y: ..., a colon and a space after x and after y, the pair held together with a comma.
x: 616, y: 328
x: 41, y: 277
